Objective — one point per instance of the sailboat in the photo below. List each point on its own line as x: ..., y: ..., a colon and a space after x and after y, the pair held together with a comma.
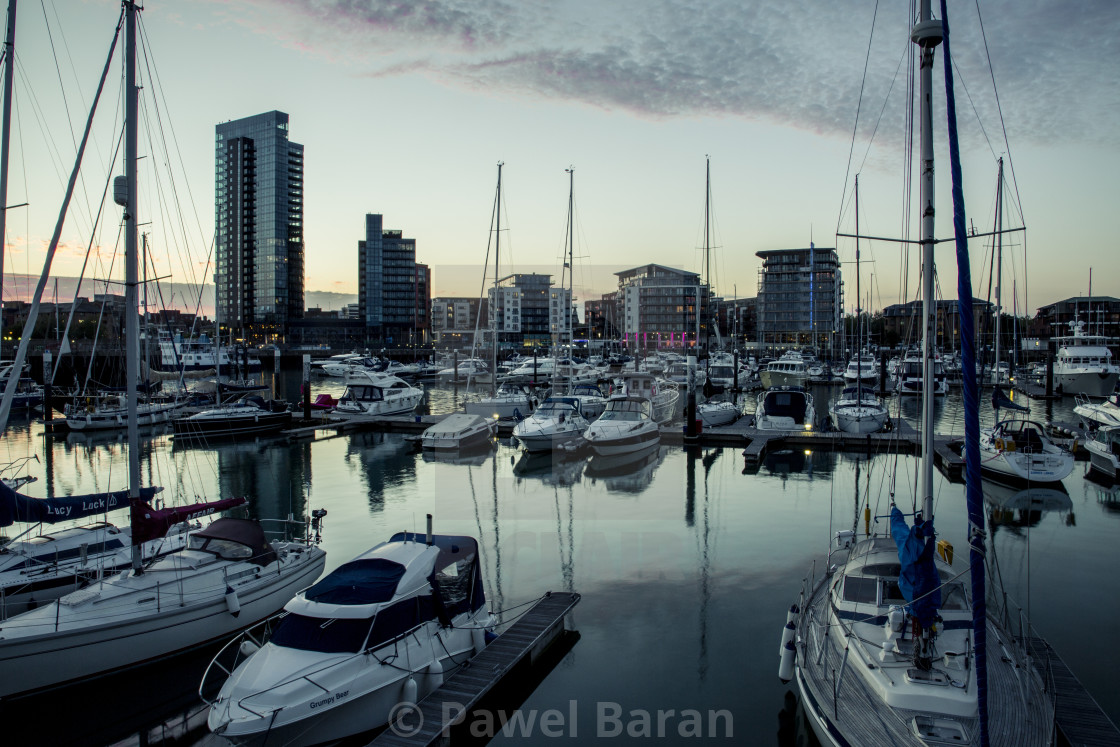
x: 229, y: 576
x: 887, y: 646
x: 713, y: 412
x: 859, y: 409
x: 508, y: 400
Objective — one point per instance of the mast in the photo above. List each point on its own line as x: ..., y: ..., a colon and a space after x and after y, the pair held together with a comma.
x: 707, y: 250
x: 859, y: 298
x: 569, y: 264
x: 5, y: 132
x: 927, y: 34
x: 999, y: 268
x: 132, y: 322
x: 497, y: 245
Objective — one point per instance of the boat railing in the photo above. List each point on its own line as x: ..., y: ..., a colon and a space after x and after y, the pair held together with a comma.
x: 1029, y: 645
x: 233, y: 653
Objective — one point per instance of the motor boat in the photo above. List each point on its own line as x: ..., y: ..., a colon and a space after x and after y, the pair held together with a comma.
x: 858, y: 410
x: 457, y: 431
x: 789, y: 370
x: 910, y: 375
x: 625, y: 426
x: 1104, y: 451
x: 350, y: 364
x: 1020, y: 450
x: 229, y: 576
x: 1098, y: 414
x: 249, y: 416
x: 557, y: 421
x: 725, y: 376
x: 661, y: 393
x: 592, y: 401
x: 862, y: 371
x: 378, y: 630
x: 785, y: 408
x: 1084, y: 364
x: 376, y: 395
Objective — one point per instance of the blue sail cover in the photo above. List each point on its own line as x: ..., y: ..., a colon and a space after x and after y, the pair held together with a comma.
x: 918, y: 579
x: 999, y: 399
x: 19, y: 507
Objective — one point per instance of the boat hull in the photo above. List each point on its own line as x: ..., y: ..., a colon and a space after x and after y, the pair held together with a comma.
x: 1091, y: 383
x: 615, y: 446
x: 261, y: 424
x: 858, y: 419
x: 36, y: 663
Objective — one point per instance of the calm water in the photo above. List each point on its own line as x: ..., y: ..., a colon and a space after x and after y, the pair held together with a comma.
x: 685, y: 562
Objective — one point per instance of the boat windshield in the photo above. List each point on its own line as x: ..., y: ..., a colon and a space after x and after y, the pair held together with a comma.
x: 327, y: 636
x: 624, y: 410
x: 223, y: 548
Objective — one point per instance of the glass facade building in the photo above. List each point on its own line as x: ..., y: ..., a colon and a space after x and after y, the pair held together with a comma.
x: 800, y: 297
x: 393, y: 290
x: 258, y: 218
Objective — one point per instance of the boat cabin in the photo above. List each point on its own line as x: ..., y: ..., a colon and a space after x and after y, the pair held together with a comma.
x: 234, y: 539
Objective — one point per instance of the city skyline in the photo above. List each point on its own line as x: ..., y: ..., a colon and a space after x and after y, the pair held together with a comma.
x: 406, y: 112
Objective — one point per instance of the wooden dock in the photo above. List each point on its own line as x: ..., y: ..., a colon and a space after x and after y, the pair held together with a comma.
x: 525, y: 641
x: 1080, y: 720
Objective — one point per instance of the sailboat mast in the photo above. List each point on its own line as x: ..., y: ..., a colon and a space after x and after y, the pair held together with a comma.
x: 859, y: 299
x: 5, y: 132
x: 707, y: 249
x: 132, y: 322
x: 497, y: 246
x: 999, y: 268
x: 927, y: 35
x: 569, y: 267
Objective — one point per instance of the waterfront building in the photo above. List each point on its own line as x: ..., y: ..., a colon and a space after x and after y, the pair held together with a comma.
x: 258, y: 218
x: 662, y: 307
x: 902, y: 323
x: 521, y: 310
x: 393, y: 289
x: 602, y: 316
x: 800, y: 297
x: 454, y: 321
x: 1101, y: 315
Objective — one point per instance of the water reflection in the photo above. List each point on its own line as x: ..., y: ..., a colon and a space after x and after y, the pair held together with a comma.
x: 384, y: 462
x: 800, y: 463
x: 626, y: 473
x: 1015, y: 508
x: 551, y: 469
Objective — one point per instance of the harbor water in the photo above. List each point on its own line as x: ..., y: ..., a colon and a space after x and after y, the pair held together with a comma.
x: 686, y: 563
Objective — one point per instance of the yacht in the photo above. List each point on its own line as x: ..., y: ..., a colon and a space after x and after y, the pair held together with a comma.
x: 661, y: 393
x: 626, y: 426
x: 1098, y: 414
x: 199, y: 354
x: 1084, y: 364
x: 785, y: 408
x: 1020, y: 450
x: 349, y: 366
x: 862, y: 371
x: 557, y: 421
x: 910, y: 375
x: 110, y: 412
x: 1104, y: 451
x: 509, y: 400
x: 227, y: 578
x: 380, y: 629
x: 719, y: 413
x: 858, y: 410
x: 249, y: 416
x: 789, y: 370
x: 457, y: 431
x: 373, y: 395
x: 592, y: 401
x: 725, y: 376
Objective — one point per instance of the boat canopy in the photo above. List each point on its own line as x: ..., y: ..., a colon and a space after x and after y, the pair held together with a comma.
x: 858, y: 392
x: 16, y: 506
x: 361, y: 581
x: 235, y: 539
x: 918, y: 578
x: 789, y: 403
x: 456, y: 574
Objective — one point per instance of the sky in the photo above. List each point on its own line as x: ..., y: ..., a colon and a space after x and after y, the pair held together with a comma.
x: 406, y: 107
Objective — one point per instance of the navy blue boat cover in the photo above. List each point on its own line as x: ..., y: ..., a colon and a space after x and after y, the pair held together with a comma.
x: 19, y: 507
x: 362, y: 581
x: 999, y: 399
x: 918, y: 579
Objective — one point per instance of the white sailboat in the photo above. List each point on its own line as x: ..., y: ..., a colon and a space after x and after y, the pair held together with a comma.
x: 859, y: 409
x: 229, y: 577
x: 887, y: 647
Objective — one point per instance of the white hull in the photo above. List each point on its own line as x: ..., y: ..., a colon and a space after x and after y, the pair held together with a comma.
x: 140, y: 626
x: 542, y: 442
x: 457, y: 431
x: 118, y: 419
x: 502, y: 408
x: 1099, y: 415
x: 715, y: 414
x: 1026, y: 467
x: 772, y: 379
x: 1091, y: 383
x: 858, y: 418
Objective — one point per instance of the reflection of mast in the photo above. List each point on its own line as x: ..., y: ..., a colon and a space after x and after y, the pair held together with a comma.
x: 690, y: 488
x: 567, y: 563
x: 499, y: 597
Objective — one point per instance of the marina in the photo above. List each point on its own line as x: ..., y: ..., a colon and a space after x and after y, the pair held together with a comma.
x: 718, y: 548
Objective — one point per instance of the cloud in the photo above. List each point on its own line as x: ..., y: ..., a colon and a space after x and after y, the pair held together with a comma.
x: 791, y: 63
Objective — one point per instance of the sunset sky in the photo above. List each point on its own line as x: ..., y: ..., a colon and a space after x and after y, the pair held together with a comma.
x: 405, y: 109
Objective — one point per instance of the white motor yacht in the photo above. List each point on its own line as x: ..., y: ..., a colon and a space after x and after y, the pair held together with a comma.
x: 715, y: 414
x: 379, y: 630
x: 858, y: 410
x: 789, y: 370
x: 785, y: 408
x: 625, y: 426
x: 1084, y: 364
x: 509, y: 400
x: 661, y: 393
x: 862, y: 371
x: 910, y: 376
x: 1020, y: 450
x: 374, y: 394
x: 457, y: 431
x: 1098, y: 414
x: 592, y: 401
x: 1104, y: 451
x: 557, y: 421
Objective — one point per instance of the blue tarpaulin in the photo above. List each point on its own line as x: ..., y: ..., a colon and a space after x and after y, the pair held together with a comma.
x: 918, y: 579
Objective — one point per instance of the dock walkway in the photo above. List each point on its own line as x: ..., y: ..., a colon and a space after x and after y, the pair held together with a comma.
x: 525, y: 640
x: 1080, y: 720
